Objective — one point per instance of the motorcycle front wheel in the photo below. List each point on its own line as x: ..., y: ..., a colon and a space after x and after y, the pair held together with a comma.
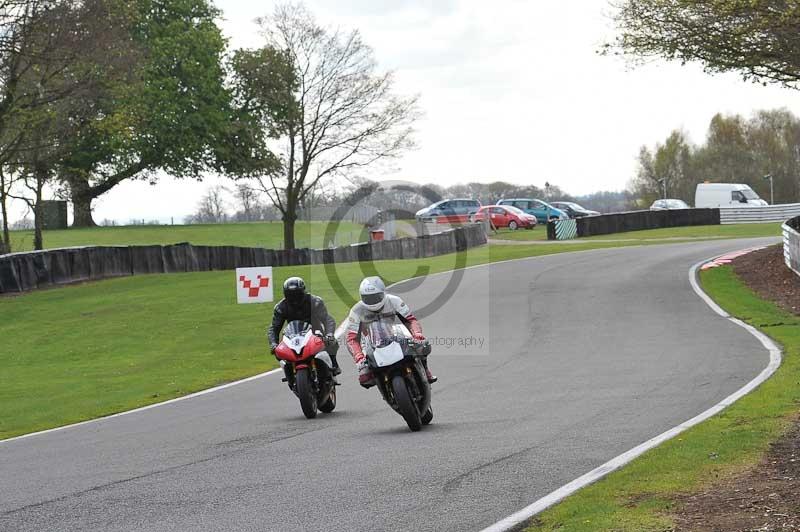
x: 405, y: 403
x: 306, y: 393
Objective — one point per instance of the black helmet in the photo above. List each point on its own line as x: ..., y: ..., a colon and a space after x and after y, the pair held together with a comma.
x: 294, y: 290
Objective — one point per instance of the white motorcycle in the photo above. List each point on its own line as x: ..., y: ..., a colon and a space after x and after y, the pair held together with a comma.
x: 396, y: 361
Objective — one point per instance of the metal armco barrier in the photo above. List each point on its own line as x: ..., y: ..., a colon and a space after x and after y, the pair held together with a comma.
x: 607, y: 224
x: 562, y: 230
x: 767, y: 213
x: 22, y: 272
x: 791, y: 244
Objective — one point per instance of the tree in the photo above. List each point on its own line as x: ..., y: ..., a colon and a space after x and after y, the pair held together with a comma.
x: 211, y: 209
x: 52, y: 53
x: 736, y: 150
x: 773, y: 139
x: 248, y: 202
x: 726, y: 155
x: 671, y: 161
x: 31, y: 168
x: 607, y: 201
x: 38, y: 45
x: 758, y: 39
x: 644, y: 185
x: 6, y: 184
x: 167, y: 111
x: 317, y: 93
x: 739, y: 150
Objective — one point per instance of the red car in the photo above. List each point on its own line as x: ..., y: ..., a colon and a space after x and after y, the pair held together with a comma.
x: 505, y: 216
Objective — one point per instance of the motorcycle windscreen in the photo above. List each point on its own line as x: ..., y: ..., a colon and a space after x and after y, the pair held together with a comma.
x: 385, y: 330
x: 383, y: 337
x: 296, y: 328
x: 295, y: 335
x: 381, y: 332
x: 388, y: 355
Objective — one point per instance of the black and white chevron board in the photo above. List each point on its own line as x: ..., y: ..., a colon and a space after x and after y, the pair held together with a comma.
x: 791, y: 244
x: 564, y: 229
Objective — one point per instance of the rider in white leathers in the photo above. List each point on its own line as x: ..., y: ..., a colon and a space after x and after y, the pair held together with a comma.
x: 375, y: 303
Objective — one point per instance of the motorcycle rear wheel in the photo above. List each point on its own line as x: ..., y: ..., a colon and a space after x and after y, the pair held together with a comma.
x: 306, y: 393
x: 328, y: 406
x: 405, y: 403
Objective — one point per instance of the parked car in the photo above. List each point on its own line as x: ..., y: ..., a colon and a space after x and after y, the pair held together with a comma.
x: 543, y: 211
x: 668, y: 204
x: 573, y: 210
x: 450, y: 210
x: 713, y: 195
x: 505, y: 216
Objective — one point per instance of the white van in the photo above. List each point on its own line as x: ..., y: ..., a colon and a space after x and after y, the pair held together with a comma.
x: 713, y: 195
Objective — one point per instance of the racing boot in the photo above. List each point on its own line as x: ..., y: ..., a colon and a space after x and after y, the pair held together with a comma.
x: 336, y: 369
x: 332, y: 346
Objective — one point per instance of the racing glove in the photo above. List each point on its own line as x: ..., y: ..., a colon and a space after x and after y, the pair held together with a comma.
x: 365, y: 376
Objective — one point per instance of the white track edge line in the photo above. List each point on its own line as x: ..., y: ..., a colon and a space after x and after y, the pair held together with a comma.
x: 143, y: 408
x: 615, y: 463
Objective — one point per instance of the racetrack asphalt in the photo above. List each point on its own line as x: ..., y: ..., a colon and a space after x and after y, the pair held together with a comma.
x: 585, y: 355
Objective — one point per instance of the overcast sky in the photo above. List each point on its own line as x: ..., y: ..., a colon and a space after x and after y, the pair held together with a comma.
x: 511, y: 90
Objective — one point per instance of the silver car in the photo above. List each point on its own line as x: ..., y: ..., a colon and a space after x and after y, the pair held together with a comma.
x: 668, y: 204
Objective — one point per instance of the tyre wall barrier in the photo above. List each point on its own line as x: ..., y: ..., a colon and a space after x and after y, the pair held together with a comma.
x: 607, y: 224
x: 791, y: 244
x: 22, y: 272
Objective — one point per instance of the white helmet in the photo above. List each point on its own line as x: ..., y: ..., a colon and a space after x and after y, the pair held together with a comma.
x: 373, y: 293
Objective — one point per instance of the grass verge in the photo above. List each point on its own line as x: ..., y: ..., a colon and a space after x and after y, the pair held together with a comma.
x: 641, y: 496
x: 81, y: 352
x: 257, y: 234
x: 537, y: 234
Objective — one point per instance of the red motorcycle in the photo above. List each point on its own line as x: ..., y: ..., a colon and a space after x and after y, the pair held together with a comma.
x: 311, y: 370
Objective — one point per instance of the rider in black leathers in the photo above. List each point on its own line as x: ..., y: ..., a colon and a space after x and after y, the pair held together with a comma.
x: 297, y: 304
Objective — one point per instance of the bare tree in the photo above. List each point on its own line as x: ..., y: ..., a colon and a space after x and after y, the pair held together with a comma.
x: 247, y: 199
x: 321, y: 98
x: 7, y: 182
x: 211, y: 209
